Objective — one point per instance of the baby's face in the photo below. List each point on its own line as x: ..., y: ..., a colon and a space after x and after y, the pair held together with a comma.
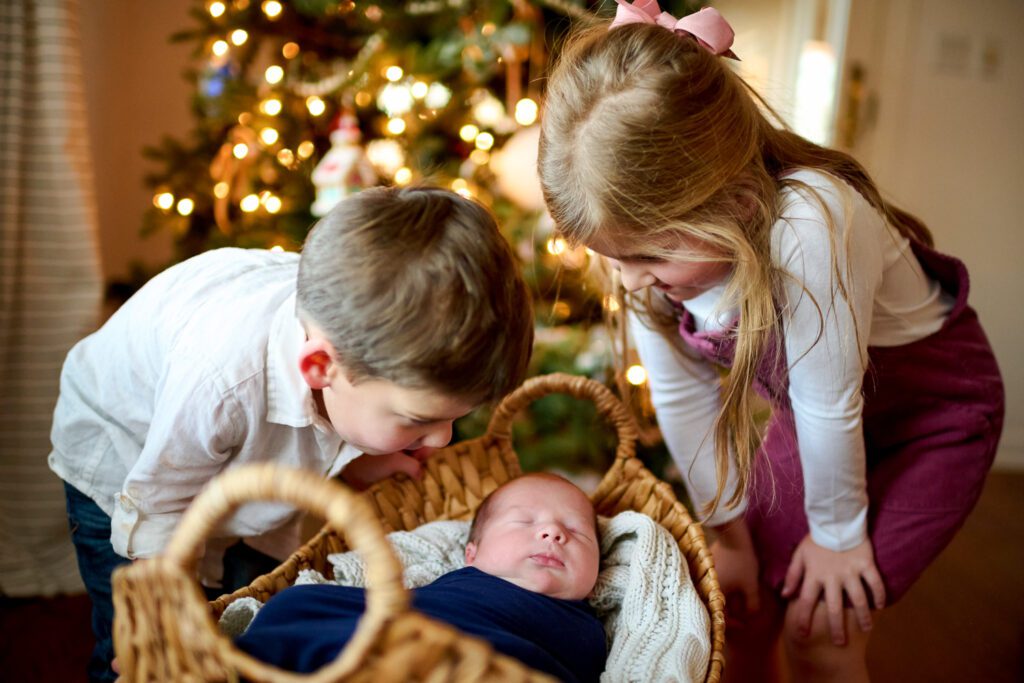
x: 540, y: 536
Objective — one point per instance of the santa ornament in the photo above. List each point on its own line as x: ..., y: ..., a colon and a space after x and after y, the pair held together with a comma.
x: 344, y: 169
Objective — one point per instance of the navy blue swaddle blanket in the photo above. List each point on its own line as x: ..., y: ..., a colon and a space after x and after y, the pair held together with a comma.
x: 303, y: 628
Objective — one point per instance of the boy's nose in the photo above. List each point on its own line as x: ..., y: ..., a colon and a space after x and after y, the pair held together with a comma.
x: 438, y: 436
x: 634, y: 278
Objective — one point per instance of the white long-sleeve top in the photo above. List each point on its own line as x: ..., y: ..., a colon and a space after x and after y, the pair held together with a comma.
x: 195, y: 374
x: 891, y: 302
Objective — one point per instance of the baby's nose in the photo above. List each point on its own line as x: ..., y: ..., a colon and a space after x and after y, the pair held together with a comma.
x: 553, y: 532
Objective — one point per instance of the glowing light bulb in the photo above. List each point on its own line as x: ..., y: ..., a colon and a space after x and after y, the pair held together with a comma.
x: 241, y: 150
x: 394, y: 73
x: 217, y: 9
x: 220, y: 48
x: 556, y: 246
x: 488, y: 110
x: 271, y: 107
x: 363, y: 98
x: 396, y: 126
x: 239, y: 36
x: 290, y: 50
x: 269, y: 136
x: 386, y: 154
x: 277, y: 248
x: 438, y: 96
x: 636, y: 375
x: 460, y: 184
x: 163, y: 200
x: 272, y: 8
x: 273, y: 74
x: 479, y: 157
x: 315, y: 105
x: 249, y: 203
x: 469, y: 132
x: 419, y: 90
x: 221, y: 189
x: 403, y: 176
x: 526, y: 111
x: 306, y: 149
x: 286, y: 157
x: 272, y: 204
x: 185, y: 206
x: 484, y: 141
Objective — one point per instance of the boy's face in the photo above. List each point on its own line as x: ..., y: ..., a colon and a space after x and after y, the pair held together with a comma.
x: 540, y: 536
x: 379, y: 417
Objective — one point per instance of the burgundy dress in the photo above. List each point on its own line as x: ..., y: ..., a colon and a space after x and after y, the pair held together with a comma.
x: 933, y: 414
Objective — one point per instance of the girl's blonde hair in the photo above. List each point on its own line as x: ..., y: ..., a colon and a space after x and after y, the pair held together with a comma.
x: 649, y: 140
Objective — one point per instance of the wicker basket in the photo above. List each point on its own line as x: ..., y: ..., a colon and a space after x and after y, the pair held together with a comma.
x: 164, y: 630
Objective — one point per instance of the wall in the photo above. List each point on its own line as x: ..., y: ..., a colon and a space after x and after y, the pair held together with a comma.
x: 135, y: 94
x: 942, y: 133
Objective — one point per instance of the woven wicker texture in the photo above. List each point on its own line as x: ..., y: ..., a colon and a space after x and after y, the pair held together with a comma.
x: 163, y: 630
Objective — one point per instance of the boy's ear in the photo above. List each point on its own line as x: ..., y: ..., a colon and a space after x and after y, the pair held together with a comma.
x: 470, y: 553
x: 315, y: 363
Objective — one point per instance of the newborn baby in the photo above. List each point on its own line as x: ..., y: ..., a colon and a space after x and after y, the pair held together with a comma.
x: 532, y: 559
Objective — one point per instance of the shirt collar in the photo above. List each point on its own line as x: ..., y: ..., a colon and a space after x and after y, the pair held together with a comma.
x: 289, y: 399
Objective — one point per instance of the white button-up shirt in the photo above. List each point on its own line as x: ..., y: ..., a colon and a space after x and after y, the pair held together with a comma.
x: 197, y: 373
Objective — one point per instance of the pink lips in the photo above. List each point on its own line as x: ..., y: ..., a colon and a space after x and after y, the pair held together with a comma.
x: 547, y: 560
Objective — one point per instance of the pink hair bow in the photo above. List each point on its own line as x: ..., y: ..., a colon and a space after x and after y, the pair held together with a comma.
x: 708, y: 26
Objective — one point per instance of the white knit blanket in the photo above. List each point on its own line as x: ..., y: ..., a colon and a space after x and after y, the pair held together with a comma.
x: 656, y: 626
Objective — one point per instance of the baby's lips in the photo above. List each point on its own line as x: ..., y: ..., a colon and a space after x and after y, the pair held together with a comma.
x: 547, y: 560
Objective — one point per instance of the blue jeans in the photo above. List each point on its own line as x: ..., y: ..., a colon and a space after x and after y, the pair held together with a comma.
x: 90, y: 532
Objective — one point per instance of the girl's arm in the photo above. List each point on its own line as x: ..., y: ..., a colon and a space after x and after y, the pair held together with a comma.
x: 686, y: 400
x: 827, y: 321
x: 685, y: 394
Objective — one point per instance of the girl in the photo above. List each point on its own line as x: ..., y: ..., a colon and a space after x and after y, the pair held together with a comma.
x: 743, y: 245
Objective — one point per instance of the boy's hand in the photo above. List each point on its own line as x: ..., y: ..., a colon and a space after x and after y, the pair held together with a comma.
x: 366, y: 470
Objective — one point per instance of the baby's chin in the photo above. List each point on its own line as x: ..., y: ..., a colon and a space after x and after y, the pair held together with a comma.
x: 551, y: 586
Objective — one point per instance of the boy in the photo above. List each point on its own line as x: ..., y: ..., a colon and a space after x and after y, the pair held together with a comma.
x: 532, y: 559
x: 405, y: 310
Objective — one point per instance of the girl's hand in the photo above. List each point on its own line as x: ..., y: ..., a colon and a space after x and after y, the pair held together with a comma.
x: 366, y: 470
x: 834, y: 574
x: 737, y: 567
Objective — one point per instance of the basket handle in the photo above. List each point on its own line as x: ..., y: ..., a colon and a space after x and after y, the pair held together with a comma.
x: 343, y: 509
x: 608, y: 406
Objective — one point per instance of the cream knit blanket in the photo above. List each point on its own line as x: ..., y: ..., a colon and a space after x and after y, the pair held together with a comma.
x: 656, y: 626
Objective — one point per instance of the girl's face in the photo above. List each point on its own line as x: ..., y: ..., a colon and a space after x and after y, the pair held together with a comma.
x: 687, y: 273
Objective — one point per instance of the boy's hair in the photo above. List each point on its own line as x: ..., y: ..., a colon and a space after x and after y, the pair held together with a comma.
x: 483, y: 512
x: 648, y: 137
x: 418, y: 287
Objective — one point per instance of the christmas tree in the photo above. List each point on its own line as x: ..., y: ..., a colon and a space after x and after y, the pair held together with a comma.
x: 299, y: 102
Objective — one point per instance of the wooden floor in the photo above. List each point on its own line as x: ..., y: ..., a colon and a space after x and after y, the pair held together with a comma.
x: 963, y: 621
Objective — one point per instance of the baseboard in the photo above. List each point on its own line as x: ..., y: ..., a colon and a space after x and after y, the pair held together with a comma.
x: 1011, y: 450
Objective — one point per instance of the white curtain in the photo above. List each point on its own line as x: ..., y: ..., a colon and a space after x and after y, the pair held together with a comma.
x: 50, y: 285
